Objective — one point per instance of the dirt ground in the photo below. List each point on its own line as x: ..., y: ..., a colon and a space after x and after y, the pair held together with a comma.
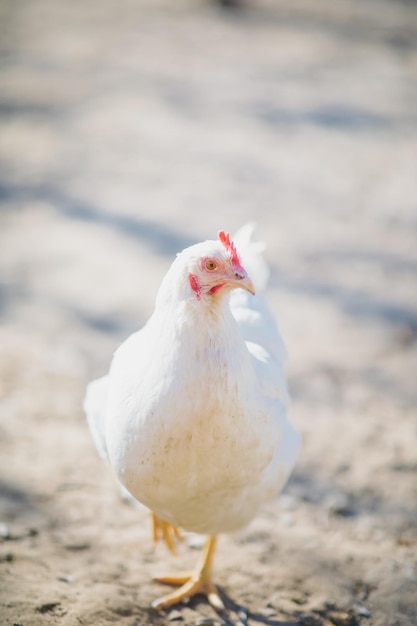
x: 130, y: 130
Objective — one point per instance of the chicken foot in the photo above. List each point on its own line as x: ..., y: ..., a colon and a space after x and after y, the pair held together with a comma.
x: 192, y: 583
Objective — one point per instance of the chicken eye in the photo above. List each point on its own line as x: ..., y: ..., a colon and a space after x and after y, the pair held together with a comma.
x: 211, y: 265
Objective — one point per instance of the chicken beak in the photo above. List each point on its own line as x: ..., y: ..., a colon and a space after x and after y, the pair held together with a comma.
x: 243, y: 281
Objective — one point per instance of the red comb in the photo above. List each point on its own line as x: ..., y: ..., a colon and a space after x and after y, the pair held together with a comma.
x: 230, y: 247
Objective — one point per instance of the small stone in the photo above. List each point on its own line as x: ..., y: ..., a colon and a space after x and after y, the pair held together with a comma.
x: 242, y: 614
x: 361, y: 611
x: 341, y: 618
x: 298, y: 598
x: 48, y: 607
x: 267, y: 612
x: 205, y: 621
x: 195, y: 541
x: 65, y: 579
x: 4, y: 531
x: 175, y: 616
x: 339, y: 504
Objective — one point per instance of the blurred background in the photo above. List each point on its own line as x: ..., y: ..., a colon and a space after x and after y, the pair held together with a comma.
x: 132, y: 129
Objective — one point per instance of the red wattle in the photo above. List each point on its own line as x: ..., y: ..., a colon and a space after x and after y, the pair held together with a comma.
x: 195, y: 285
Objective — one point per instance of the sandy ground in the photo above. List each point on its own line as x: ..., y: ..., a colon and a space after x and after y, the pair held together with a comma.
x: 131, y: 129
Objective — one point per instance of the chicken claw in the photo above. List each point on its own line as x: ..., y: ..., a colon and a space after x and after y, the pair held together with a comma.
x: 192, y: 583
x: 169, y: 533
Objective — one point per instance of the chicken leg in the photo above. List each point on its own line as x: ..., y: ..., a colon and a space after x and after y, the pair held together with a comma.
x: 193, y: 583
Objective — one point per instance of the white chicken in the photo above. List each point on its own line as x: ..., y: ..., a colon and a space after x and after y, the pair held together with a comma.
x: 192, y: 415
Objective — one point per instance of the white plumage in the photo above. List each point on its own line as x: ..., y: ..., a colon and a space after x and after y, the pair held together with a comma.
x: 192, y: 415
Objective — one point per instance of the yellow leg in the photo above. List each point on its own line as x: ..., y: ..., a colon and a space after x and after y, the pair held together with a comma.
x: 169, y: 533
x: 193, y: 583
